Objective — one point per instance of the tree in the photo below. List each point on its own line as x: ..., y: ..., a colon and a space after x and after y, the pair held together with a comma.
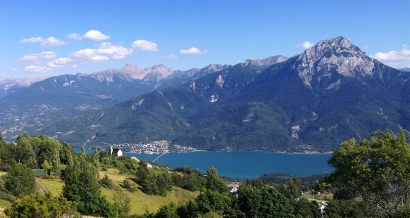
x: 212, y: 201
x: 83, y: 188
x: 20, y: 180
x: 37, y: 205
x: 305, y: 208
x: 249, y: 200
x: 106, y: 182
x: 83, y: 160
x: 295, y: 188
x: 167, y: 211
x: 22, y: 149
x: 343, y: 208
x: 66, y: 154
x: 275, y: 204
x: 264, y: 202
x: 2, y: 142
x: 213, y: 182
x: 123, y: 202
x: 56, y: 163
x: 48, y: 149
x: 46, y: 166
x: 189, y: 210
x: 96, y: 163
x: 375, y: 170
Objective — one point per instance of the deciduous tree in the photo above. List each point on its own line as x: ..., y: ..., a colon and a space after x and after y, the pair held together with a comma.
x: 213, y: 182
x: 20, y: 180
x: 377, y: 171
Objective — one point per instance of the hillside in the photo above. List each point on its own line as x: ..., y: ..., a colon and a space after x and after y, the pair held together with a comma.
x: 309, y: 102
x: 140, y: 202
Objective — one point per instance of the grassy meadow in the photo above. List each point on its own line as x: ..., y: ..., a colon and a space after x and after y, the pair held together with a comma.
x: 140, y: 202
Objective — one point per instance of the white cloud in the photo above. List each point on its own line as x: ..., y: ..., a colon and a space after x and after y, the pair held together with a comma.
x: 93, y: 35
x: 192, y: 50
x: 89, y: 54
x: 50, y: 41
x: 104, y: 52
x: 74, y: 36
x: 115, y: 51
x: 397, y: 59
x: 145, y: 45
x: 305, y: 45
x: 63, y: 62
x: 168, y: 57
x: 37, y: 69
x: 57, y: 63
x: 45, y: 55
x: 13, y: 70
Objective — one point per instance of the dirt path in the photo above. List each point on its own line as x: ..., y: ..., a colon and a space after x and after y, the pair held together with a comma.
x: 41, y: 187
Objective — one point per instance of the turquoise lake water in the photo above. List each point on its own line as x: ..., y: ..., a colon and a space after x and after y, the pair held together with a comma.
x: 245, y: 164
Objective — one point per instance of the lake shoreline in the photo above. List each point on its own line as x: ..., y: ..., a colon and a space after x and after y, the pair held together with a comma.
x: 243, y: 164
x: 275, y: 152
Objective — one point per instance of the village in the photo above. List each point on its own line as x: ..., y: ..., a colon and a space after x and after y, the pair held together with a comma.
x: 154, y: 147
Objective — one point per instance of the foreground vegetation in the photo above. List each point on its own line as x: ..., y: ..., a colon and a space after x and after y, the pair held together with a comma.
x: 371, y: 179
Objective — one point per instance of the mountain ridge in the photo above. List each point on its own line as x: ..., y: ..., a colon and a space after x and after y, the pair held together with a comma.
x: 309, y: 102
x: 37, y: 104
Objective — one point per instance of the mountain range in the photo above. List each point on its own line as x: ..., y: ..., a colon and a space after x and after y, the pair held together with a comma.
x: 306, y: 103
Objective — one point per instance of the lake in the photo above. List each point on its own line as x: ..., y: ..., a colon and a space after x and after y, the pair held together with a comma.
x: 244, y: 164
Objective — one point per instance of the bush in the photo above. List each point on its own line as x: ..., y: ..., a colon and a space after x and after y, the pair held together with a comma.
x: 128, y: 185
x: 106, y: 182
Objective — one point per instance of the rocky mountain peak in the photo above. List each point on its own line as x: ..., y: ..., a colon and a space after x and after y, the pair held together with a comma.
x: 266, y: 61
x: 337, y: 54
x: 10, y: 85
x: 134, y: 71
x: 215, y: 67
x: 160, y: 70
x: 131, y: 67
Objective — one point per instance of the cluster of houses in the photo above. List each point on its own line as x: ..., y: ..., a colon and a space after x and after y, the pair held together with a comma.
x: 154, y: 147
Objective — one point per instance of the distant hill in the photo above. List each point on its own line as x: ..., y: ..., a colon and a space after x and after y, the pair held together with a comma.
x: 309, y: 102
x: 283, y: 178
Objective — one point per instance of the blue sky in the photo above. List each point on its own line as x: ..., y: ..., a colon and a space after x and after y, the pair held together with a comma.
x: 47, y: 38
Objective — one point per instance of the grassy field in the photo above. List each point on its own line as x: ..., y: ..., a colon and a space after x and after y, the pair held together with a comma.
x: 140, y: 202
x: 319, y: 197
x: 54, y: 186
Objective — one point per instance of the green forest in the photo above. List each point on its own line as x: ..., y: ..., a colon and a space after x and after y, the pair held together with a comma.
x: 44, y: 177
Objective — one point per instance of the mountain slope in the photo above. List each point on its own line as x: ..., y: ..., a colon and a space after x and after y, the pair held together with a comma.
x: 156, y: 115
x: 310, y: 102
x: 45, y: 102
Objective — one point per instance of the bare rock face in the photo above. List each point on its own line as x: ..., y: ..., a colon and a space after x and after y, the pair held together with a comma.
x: 334, y: 55
x: 266, y: 61
x: 158, y: 72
